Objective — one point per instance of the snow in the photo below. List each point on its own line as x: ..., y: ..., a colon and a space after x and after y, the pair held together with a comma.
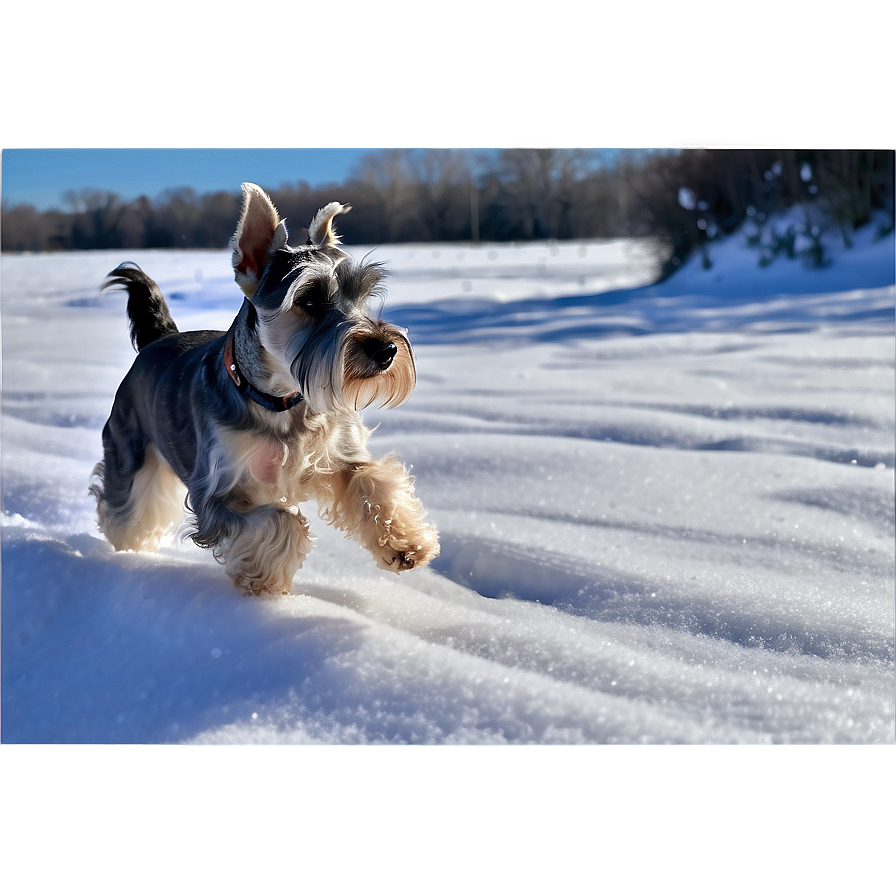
x: 666, y: 515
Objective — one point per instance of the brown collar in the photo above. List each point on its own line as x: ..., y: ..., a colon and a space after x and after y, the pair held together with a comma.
x: 277, y: 403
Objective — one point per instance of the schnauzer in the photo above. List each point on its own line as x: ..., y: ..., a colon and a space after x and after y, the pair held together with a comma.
x: 254, y: 421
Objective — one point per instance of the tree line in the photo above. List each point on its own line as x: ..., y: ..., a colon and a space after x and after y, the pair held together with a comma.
x: 682, y: 198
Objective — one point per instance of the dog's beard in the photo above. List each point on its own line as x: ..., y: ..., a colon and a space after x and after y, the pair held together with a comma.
x: 388, y: 388
x: 334, y: 373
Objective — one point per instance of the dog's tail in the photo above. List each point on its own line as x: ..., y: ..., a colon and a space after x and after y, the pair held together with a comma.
x: 148, y: 311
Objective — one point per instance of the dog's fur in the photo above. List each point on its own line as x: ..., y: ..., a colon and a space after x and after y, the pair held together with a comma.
x: 253, y: 422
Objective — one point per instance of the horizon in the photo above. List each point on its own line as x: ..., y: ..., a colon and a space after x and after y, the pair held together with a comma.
x: 41, y: 177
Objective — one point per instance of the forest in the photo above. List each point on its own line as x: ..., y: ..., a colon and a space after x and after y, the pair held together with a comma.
x: 682, y: 198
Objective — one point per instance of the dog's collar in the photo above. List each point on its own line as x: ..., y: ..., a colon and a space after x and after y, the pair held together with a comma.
x: 277, y: 403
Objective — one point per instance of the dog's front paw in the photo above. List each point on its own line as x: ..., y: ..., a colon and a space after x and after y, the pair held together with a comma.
x: 398, y: 554
x: 266, y: 552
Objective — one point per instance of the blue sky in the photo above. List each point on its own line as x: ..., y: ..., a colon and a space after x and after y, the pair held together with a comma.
x: 40, y: 176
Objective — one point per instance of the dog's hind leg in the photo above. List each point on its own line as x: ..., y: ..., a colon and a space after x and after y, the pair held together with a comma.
x: 138, y: 496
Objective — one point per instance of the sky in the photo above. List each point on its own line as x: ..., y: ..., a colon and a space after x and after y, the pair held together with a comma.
x: 40, y: 177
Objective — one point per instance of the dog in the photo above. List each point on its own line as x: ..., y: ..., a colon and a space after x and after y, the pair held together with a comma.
x: 240, y: 428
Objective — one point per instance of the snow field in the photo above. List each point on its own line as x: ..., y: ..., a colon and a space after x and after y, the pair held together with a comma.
x: 666, y: 516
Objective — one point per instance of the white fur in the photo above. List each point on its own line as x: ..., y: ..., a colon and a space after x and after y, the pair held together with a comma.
x: 155, y: 504
x: 321, y: 231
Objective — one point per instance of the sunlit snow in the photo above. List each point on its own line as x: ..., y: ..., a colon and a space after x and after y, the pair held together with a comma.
x: 666, y: 514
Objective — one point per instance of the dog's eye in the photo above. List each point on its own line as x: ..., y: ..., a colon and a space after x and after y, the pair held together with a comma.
x: 312, y: 301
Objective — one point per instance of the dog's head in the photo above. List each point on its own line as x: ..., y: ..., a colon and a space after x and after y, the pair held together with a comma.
x: 312, y: 311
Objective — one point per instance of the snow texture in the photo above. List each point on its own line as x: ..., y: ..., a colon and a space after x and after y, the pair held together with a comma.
x: 666, y: 512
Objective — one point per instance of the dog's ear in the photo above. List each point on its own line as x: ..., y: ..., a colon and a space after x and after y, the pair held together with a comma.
x: 259, y: 233
x: 321, y: 232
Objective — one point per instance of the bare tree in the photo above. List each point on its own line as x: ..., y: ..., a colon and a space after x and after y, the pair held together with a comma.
x: 388, y: 175
x: 443, y: 180
x: 96, y: 216
x: 543, y: 186
x: 24, y: 229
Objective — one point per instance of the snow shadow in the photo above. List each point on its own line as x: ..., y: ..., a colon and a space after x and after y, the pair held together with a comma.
x: 634, y: 312
x: 153, y: 650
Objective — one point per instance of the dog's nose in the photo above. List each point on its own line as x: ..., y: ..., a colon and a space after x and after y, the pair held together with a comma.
x: 380, y: 352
